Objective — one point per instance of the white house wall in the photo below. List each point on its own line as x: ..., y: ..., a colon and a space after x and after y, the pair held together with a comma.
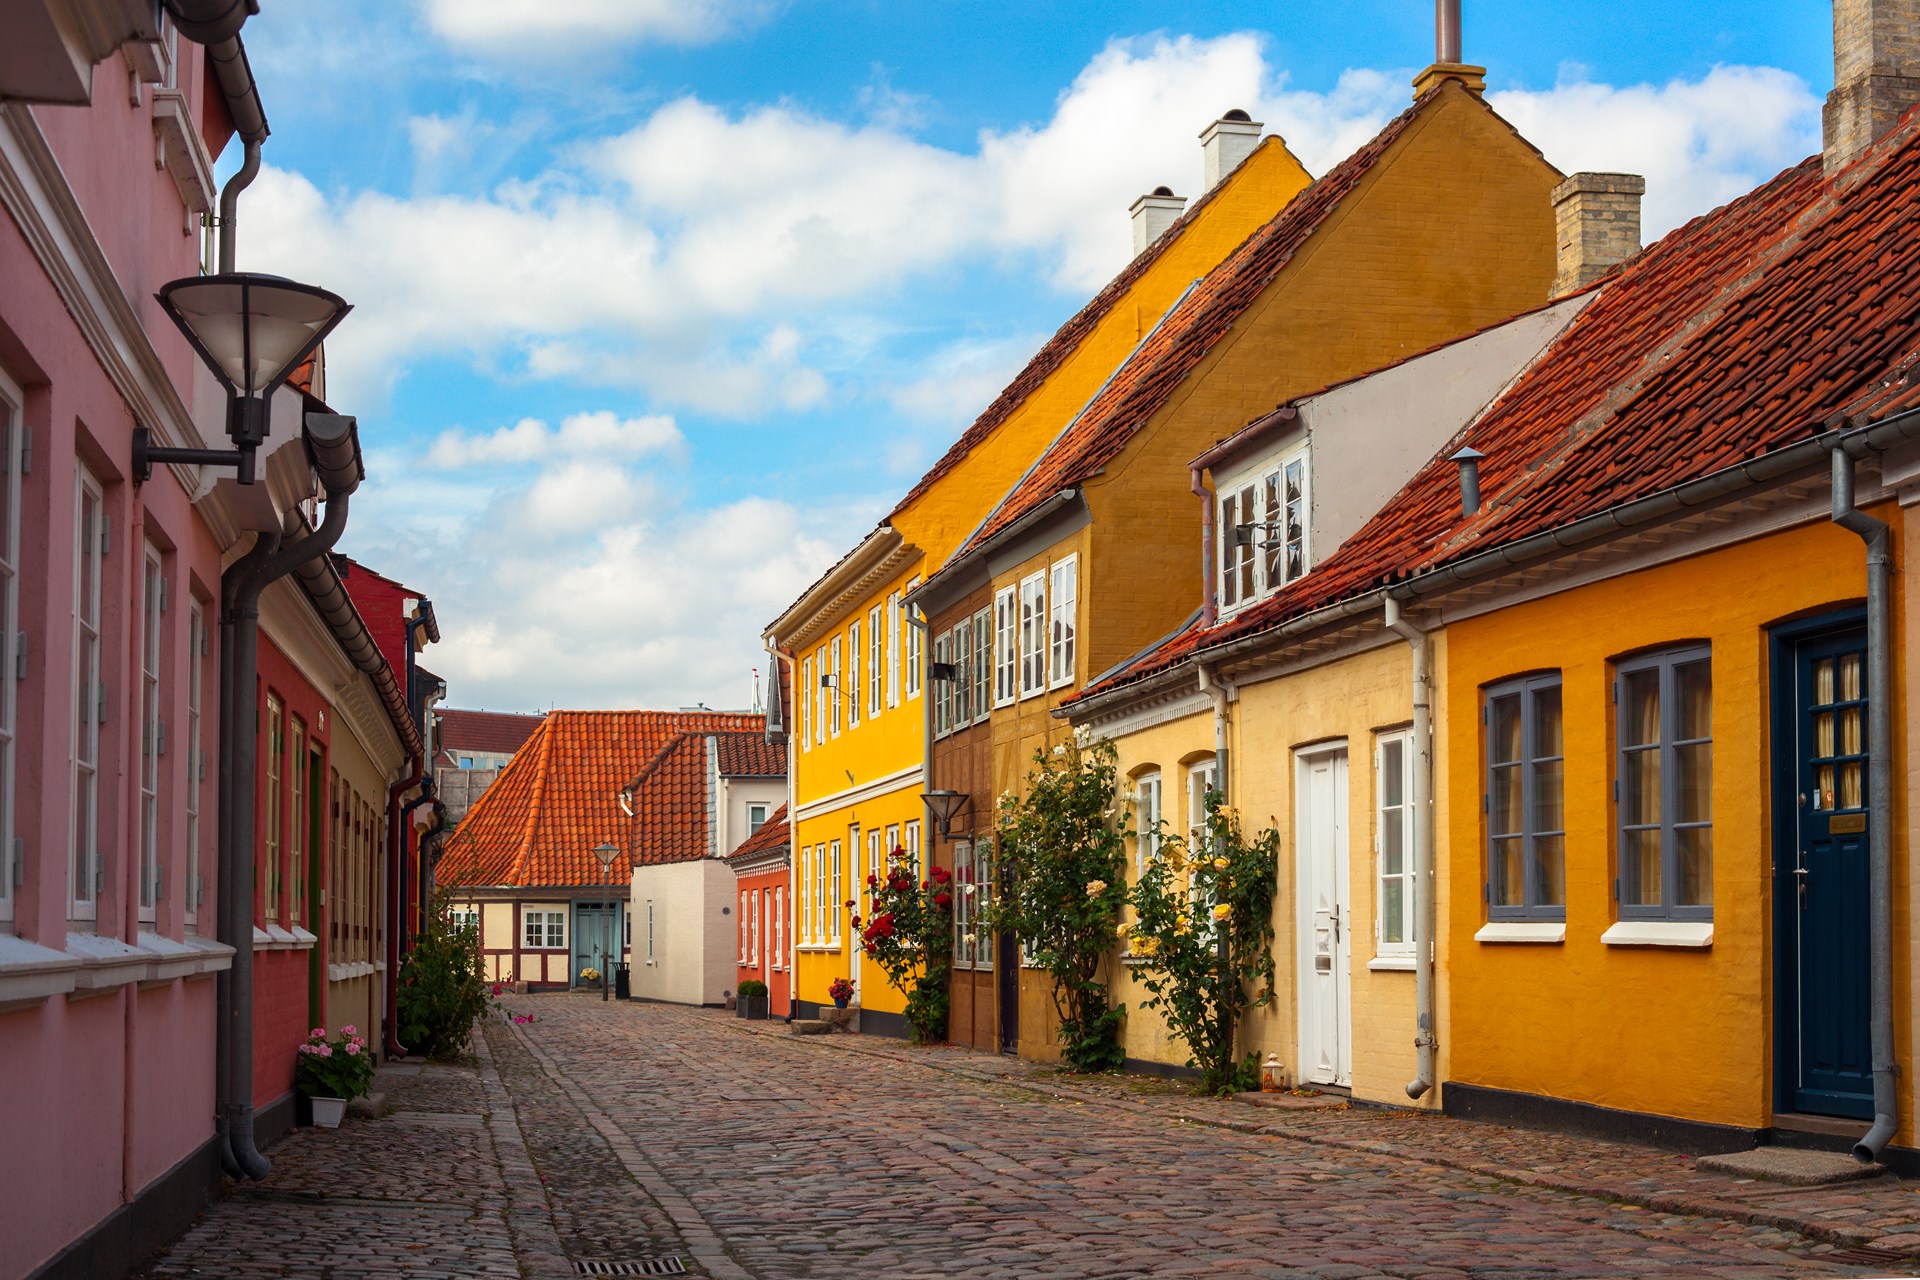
x: 692, y: 960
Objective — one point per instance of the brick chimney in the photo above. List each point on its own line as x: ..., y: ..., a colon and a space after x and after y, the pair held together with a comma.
x: 1596, y: 224
x: 1153, y: 214
x: 1876, y: 74
x: 1226, y: 142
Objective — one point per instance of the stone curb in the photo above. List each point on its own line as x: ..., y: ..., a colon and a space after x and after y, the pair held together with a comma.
x: 1665, y: 1202
x: 698, y: 1238
x: 536, y: 1245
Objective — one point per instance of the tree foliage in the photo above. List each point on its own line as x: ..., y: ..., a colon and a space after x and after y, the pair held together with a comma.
x: 443, y: 990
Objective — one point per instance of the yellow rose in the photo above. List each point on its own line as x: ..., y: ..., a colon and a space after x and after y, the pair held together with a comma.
x: 1222, y: 911
x: 1096, y: 887
x: 1220, y: 864
x: 1126, y: 927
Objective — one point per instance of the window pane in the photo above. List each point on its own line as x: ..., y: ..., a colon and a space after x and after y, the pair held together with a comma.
x: 1850, y: 796
x: 1640, y: 708
x: 1694, y: 869
x: 1393, y: 841
x: 1823, y: 682
x: 1392, y: 773
x: 1245, y: 563
x: 1296, y: 520
x: 1850, y: 738
x: 1229, y: 551
x: 1640, y: 787
x: 1850, y: 687
x: 1503, y: 730
x: 1693, y: 701
x: 1824, y: 740
x: 1548, y: 736
x: 1694, y: 768
x: 1549, y: 787
x: 1550, y: 870
x: 1271, y: 541
x: 1503, y: 808
x: 1509, y: 885
x: 1393, y: 911
x: 1640, y: 868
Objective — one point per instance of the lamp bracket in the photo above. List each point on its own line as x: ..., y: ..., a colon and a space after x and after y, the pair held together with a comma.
x: 146, y: 454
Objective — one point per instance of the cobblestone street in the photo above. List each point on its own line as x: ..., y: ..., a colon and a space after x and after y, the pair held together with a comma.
x: 625, y: 1133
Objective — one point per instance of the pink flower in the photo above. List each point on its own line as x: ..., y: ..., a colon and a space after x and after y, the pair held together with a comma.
x: 325, y: 1051
x: 318, y: 1033
x: 353, y: 1046
x: 349, y: 1030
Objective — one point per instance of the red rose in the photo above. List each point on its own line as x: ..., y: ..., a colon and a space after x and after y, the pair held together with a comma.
x: 942, y: 899
x: 940, y: 875
x: 873, y: 879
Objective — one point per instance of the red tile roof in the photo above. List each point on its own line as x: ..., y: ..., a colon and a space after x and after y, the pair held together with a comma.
x: 749, y: 755
x: 1183, y: 339
x: 670, y: 804
x: 491, y: 731
x: 1065, y: 341
x: 1738, y: 334
x: 775, y: 834
x: 539, y: 823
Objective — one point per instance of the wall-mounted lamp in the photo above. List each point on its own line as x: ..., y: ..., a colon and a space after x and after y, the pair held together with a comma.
x: 252, y: 331
x: 944, y: 806
x: 946, y: 671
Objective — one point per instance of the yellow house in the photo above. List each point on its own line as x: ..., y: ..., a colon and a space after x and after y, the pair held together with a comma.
x: 857, y: 654
x: 1659, y: 588
x: 1437, y: 227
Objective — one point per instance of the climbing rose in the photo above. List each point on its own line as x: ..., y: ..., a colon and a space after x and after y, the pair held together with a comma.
x: 1220, y: 864
x: 1096, y: 887
x: 940, y: 875
x: 1222, y: 911
x: 942, y: 899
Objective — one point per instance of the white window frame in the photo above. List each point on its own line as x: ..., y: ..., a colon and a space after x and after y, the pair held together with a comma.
x: 983, y: 665
x: 834, y: 699
x: 779, y: 955
x: 916, y: 644
x: 876, y: 663
x: 960, y: 647
x: 876, y: 867
x: 803, y: 897
x: 893, y: 649
x: 806, y: 703
x: 1063, y: 597
x: 650, y: 959
x: 12, y: 451
x: 1033, y: 634
x: 851, y: 696
x: 743, y: 928
x: 1006, y: 640
x: 1148, y: 797
x: 276, y: 805
x: 964, y: 937
x: 758, y: 812
x: 152, y: 632
x: 942, y: 689
x: 1258, y: 498
x: 83, y: 759
x: 1393, y: 754
x: 835, y: 912
x: 912, y: 834
x: 196, y: 764
x: 544, y: 931
x: 753, y: 956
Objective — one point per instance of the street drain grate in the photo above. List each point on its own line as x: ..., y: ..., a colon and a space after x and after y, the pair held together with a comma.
x: 1867, y: 1254
x: 643, y: 1267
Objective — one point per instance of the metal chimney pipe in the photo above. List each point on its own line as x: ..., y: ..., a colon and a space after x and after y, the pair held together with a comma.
x: 1446, y: 31
x: 1468, y: 460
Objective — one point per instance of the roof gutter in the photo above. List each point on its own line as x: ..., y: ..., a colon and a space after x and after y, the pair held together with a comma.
x: 922, y: 594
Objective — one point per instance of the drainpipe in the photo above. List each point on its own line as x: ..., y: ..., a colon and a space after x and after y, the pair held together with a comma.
x: 336, y: 461
x: 1209, y: 601
x: 423, y: 876
x: 230, y: 201
x: 1886, y: 1103
x: 1424, y: 1041
x: 396, y: 908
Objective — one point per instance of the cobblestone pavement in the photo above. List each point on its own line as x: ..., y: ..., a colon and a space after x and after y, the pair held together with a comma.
x: 622, y: 1132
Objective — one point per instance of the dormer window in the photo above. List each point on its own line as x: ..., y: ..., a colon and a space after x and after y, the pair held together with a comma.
x: 1263, y: 531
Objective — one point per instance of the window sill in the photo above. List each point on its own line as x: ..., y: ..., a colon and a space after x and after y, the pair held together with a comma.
x: 349, y: 971
x: 31, y: 973
x: 302, y: 939
x: 1391, y: 964
x: 1691, y: 934
x: 1545, y: 931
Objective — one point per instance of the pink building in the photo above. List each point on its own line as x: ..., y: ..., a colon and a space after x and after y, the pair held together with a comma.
x: 111, y: 970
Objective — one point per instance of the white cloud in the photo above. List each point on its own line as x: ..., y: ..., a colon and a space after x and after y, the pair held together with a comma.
x: 1698, y: 143
x: 515, y: 28
x: 603, y: 435
x: 586, y: 579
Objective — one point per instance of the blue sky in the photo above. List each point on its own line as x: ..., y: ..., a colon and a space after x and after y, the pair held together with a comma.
x: 660, y: 303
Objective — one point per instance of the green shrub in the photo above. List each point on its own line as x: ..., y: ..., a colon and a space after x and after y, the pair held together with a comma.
x: 752, y: 987
x: 338, y: 1068
x: 442, y: 989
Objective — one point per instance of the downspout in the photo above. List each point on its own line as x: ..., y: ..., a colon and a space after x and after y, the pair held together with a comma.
x: 430, y: 855
x: 1886, y: 1103
x: 241, y: 588
x: 793, y: 755
x: 419, y: 849
x: 1209, y: 601
x: 1421, y: 799
x: 396, y: 911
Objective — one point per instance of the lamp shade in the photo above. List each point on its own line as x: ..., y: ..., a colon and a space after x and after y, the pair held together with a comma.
x: 606, y: 853
x: 944, y: 806
x: 252, y: 330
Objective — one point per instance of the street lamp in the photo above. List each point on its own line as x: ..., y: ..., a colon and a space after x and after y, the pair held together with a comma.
x: 944, y: 806
x: 252, y: 331
x: 607, y: 853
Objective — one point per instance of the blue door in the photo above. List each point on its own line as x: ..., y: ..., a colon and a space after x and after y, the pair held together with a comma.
x: 591, y: 940
x: 1821, y: 877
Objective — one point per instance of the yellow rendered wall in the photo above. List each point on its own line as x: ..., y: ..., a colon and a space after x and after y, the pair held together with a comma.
x: 1685, y: 1033
x: 1353, y: 699
x: 939, y: 520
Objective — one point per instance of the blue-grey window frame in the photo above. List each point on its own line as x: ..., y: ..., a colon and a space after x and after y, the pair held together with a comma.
x: 1665, y: 661
x: 1524, y: 688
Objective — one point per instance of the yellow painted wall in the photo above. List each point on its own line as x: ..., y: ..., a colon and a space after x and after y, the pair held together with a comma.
x: 1685, y: 1033
x: 1353, y: 699
x: 939, y: 520
x: 1388, y: 275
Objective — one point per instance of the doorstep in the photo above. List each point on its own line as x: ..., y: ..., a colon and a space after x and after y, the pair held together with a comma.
x: 1291, y: 1101
x: 1793, y: 1167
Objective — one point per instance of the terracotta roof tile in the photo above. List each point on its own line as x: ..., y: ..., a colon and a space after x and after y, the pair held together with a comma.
x: 1736, y: 335
x: 493, y: 731
x: 670, y: 804
x: 749, y: 755
x: 539, y: 823
x: 1188, y: 333
x: 775, y: 834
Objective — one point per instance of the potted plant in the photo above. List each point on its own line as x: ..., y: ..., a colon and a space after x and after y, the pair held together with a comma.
x: 842, y: 991
x: 589, y: 976
x: 753, y: 999
x: 333, y: 1072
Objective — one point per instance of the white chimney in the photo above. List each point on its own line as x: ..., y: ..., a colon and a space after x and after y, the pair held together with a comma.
x: 1152, y: 215
x: 1876, y: 74
x: 1226, y: 142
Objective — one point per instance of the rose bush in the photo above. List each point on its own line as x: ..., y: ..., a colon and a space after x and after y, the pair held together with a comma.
x: 910, y: 935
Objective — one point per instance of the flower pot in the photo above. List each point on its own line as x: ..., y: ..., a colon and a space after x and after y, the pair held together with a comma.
x: 840, y: 1002
x: 327, y: 1112
x: 754, y: 1007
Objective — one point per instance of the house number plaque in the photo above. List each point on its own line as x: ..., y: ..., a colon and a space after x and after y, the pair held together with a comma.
x: 1846, y: 822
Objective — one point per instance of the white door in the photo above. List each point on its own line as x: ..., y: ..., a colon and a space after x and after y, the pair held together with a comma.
x: 1320, y: 874
x: 854, y: 950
